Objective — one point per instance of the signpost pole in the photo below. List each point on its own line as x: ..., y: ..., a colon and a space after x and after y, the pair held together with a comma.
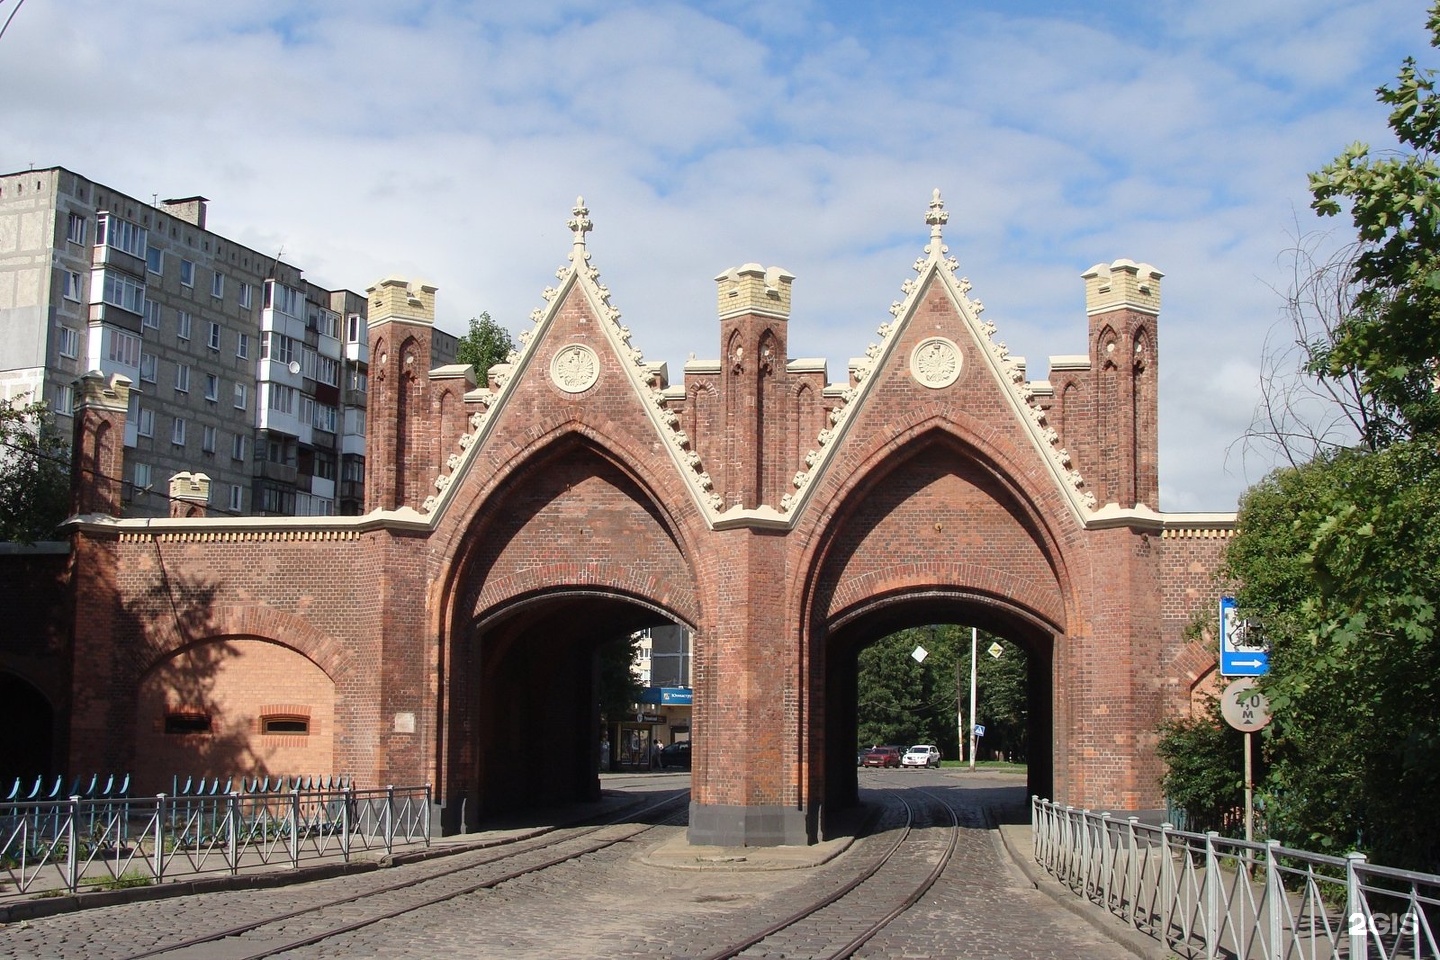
x: 974, y: 637
x: 1249, y: 790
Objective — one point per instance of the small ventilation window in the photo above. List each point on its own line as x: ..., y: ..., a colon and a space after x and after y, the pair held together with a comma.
x: 179, y: 723
x: 289, y: 726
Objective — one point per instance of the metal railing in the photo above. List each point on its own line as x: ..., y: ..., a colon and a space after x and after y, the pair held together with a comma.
x: 1203, y: 895
x: 79, y: 843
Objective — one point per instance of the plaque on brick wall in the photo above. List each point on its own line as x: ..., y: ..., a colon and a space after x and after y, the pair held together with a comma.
x: 575, y: 368
x: 935, y: 362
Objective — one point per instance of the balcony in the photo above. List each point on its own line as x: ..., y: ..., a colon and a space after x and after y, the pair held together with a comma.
x: 285, y: 473
x: 108, y: 256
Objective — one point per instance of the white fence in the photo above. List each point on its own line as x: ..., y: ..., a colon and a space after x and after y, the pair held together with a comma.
x: 80, y: 844
x: 1203, y: 895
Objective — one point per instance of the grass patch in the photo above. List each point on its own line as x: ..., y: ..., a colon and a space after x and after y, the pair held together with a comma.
x: 994, y: 766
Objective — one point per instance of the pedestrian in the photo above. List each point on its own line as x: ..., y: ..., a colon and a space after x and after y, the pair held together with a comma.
x: 654, y: 753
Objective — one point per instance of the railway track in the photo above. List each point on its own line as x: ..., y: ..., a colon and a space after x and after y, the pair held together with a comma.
x: 835, y: 922
x: 461, y: 875
x: 841, y: 922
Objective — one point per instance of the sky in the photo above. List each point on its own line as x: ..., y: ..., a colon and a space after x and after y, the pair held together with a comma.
x: 448, y: 141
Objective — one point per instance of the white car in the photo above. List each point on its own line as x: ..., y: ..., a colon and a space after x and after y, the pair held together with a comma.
x: 921, y: 755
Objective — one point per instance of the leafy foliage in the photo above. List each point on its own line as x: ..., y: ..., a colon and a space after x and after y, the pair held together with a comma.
x: 1391, y: 338
x: 1340, y: 560
x: 34, y: 473
x: 486, y: 344
x: 902, y: 701
x: 619, y: 685
x: 1205, y: 771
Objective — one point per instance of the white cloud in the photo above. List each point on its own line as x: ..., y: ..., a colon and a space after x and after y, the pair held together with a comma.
x: 448, y: 140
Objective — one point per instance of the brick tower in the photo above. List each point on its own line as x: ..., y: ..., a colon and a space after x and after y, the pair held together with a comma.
x: 400, y: 438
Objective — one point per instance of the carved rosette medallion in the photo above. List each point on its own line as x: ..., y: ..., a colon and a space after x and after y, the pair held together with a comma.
x: 935, y: 363
x: 575, y: 368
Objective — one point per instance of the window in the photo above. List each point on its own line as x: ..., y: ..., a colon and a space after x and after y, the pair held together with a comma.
x: 306, y: 412
x: 359, y: 382
x: 147, y: 367
x: 75, y: 230
x: 217, y: 285
x: 324, y: 465
x: 73, y: 287
x: 282, y: 398
x: 65, y: 401
x: 155, y: 259
x: 277, y: 500
x: 277, y: 347
x: 325, y: 418
x: 242, y: 346
x: 69, y: 342
x: 124, y: 348
x: 187, y: 273
x: 123, y: 235
x: 285, y: 299
x: 142, y: 477
x: 214, y: 339
x: 354, y: 328
x: 145, y: 423
x: 239, y: 447
x: 177, y: 432
x: 212, y: 387
x: 123, y: 292
x: 352, y: 471
x: 246, y: 294
x: 237, y: 498
x: 182, y: 324
x: 181, y: 723
x: 327, y: 371
x: 152, y: 314
x: 182, y: 378
x: 242, y: 396
x: 207, y: 440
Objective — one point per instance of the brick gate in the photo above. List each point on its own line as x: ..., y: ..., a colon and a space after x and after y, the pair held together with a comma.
x: 450, y: 634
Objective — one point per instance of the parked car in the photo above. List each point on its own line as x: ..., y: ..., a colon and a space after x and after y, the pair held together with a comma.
x: 921, y: 755
x: 675, y: 756
x: 882, y: 757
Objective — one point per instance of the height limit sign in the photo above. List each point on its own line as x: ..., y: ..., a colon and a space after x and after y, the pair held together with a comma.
x: 1244, y: 707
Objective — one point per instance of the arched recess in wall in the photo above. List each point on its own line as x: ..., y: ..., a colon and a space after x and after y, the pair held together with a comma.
x: 1107, y: 414
x: 27, y: 735
x: 233, y: 706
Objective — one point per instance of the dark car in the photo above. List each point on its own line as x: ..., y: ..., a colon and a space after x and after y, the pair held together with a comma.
x: 675, y: 756
x: 882, y: 757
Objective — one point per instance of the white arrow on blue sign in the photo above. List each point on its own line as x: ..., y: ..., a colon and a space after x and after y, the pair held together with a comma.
x: 1242, y: 652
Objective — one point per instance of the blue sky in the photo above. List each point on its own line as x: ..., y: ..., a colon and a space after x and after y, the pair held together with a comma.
x: 448, y: 140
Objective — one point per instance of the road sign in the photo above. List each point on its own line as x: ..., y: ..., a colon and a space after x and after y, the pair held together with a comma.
x: 919, y: 653
x: 979, y: 729
x: 1243, y: 653
x: 1244, y: 707
x: 996, y: 650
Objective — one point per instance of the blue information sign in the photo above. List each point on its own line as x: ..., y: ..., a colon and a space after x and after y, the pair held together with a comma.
x: 1242, y: 652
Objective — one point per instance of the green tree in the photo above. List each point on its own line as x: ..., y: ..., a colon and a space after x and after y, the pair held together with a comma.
x: 486, y: 344
x: 618, y: 682
x: 1204, y: 771
x: 1391, y: 338
x: 1340, y: 562
x: 902, y: 701
x: 34, y: 472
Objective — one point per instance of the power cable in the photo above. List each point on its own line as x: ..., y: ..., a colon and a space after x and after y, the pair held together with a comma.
x: 18, y: 5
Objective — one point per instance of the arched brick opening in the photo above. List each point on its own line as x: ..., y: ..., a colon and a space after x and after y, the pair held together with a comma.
x: 934, y: 530
x: 519, y: 718
x: 28, y: 735
x: 886, y: 615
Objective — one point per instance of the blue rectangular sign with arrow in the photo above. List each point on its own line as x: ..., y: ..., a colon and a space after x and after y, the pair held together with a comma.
x: 1243, y: 653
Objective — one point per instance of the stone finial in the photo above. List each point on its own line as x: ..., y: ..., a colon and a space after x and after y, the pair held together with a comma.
x: 936, y: 216
x: 580, y: 223
x: 189, y: 494
x: 395, y: 298
x: 751, y: 288
x: 1123, y: 284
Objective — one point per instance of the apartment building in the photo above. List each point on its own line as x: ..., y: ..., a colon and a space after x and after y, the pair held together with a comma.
x: 243, y: 369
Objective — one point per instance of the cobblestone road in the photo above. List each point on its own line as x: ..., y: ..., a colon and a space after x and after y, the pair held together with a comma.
x: 618, y: 903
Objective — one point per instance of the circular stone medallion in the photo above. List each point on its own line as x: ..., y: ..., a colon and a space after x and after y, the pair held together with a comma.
x: 575, y: 368
x: 935, y: 362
